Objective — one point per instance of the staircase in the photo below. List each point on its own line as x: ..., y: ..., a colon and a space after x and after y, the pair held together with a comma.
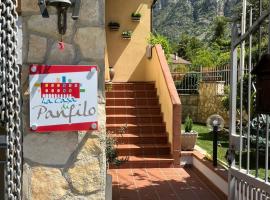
x: 135, y: 120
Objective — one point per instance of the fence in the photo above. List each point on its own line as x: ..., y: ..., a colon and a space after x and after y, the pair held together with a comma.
x: 188, y: 82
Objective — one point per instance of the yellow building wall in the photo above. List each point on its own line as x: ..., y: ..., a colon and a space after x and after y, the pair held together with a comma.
x: 127, y: 57
x: 107, y: 72
x: 154, y: 73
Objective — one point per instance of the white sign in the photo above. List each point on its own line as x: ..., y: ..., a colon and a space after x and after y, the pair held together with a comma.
x: 63, y: 98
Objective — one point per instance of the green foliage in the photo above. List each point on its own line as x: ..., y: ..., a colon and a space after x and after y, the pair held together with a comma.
x: 163, y: 41
x: 220, y: 25
x: 136, y: 14
x: 214, y: 49
x: 179, y: 68
x: 226, y: 98
x: 187, y: 46
x: 203, y: 54
x: 257, y: 125
x: 203, y: 58
x: 205, y: 141
x: 223, y: 59
x: 195, y: 18
x: 188, y: 124
x: 111, y: 152
x: 127, y: 33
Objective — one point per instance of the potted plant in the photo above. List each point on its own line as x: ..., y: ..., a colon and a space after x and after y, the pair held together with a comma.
x: 126, y: 34
x: 188, y: 136
x: 135, y: 16
x: 114, y: 26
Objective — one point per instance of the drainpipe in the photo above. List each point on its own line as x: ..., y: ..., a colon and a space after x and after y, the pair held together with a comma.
x: 152, y: 7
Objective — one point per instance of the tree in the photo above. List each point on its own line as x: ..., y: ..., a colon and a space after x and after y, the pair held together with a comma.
x: 188, y: 46
x: 203, y: 58
x: 163, y: 41
x: 220, y: 25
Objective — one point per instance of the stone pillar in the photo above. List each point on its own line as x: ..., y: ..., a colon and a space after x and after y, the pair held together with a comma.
x: 64, y: 165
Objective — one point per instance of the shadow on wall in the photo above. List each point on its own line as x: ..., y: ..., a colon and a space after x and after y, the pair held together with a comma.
x: 138, y: 71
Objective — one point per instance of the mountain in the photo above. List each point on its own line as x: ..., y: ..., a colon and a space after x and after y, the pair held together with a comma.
x: 194, y: 17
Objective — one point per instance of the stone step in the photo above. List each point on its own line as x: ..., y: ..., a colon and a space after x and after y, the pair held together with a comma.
x: 142, y: 149
x: 132, y: 101
x: 136, y: 128
x: 131, y: 86
x: 131, y: 94
x: 133, y: 119
x: 148, y: 138
x: 133, y: 110
x: 148, y: 161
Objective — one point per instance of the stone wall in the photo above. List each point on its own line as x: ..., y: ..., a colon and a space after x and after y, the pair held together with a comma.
x: 64, y: 165
x: 204, y: 104
x: 211, y: 102
x: 190, y: 104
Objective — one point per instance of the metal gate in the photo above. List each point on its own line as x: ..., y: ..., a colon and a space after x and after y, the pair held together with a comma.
x: 249, y: 132
x: 10, y: 105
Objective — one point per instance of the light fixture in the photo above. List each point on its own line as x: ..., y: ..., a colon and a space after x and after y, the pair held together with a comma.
x: 62, y: 7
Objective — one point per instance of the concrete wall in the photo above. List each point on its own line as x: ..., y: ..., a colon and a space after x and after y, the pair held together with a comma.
x: 206, y: 103
x: 127, y: 56
x: 64, y: 165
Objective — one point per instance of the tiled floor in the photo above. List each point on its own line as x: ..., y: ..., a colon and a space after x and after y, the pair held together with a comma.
x: 159, y: 184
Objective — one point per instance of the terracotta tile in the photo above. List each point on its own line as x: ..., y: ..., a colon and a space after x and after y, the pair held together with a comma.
x: 131, y: 93
x: 149, y: 174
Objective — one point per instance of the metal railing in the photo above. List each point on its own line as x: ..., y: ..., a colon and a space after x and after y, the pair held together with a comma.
x: 249, y: 131
x: 188, y: 82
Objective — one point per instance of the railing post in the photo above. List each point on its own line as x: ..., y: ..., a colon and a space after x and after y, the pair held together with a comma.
x: 233, y: 105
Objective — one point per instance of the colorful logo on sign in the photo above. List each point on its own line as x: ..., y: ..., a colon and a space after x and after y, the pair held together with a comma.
x: 60, y: 89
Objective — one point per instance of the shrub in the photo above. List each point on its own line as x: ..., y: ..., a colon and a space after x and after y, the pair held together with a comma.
x: 188, y: 124
x: 111, y: 152
x: 134, y: 14
x: 163, y: 41
x: 127, y: 33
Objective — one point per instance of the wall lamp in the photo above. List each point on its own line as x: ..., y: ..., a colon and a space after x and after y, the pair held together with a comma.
x: 62, y: 7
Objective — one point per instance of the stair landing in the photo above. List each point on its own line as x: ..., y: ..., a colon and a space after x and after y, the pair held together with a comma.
x: 161, y: 183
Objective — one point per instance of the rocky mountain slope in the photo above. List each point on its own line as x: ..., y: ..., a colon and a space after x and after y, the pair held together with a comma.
x: 194, y: 17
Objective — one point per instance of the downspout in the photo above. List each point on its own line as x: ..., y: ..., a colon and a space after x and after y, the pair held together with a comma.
x: 152, y: 13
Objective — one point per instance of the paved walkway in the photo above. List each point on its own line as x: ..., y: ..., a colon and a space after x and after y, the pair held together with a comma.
x: 159, y: 184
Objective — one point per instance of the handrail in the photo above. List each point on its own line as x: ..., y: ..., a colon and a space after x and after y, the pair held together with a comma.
x: 176, y: 104
x: 167, y: 75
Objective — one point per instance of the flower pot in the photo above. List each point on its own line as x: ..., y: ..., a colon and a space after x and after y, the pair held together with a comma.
x: 188, y: 140
x: 126, y: 37
x: 114, y: 28
x: 136, y: 19
x: 112, y: 73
